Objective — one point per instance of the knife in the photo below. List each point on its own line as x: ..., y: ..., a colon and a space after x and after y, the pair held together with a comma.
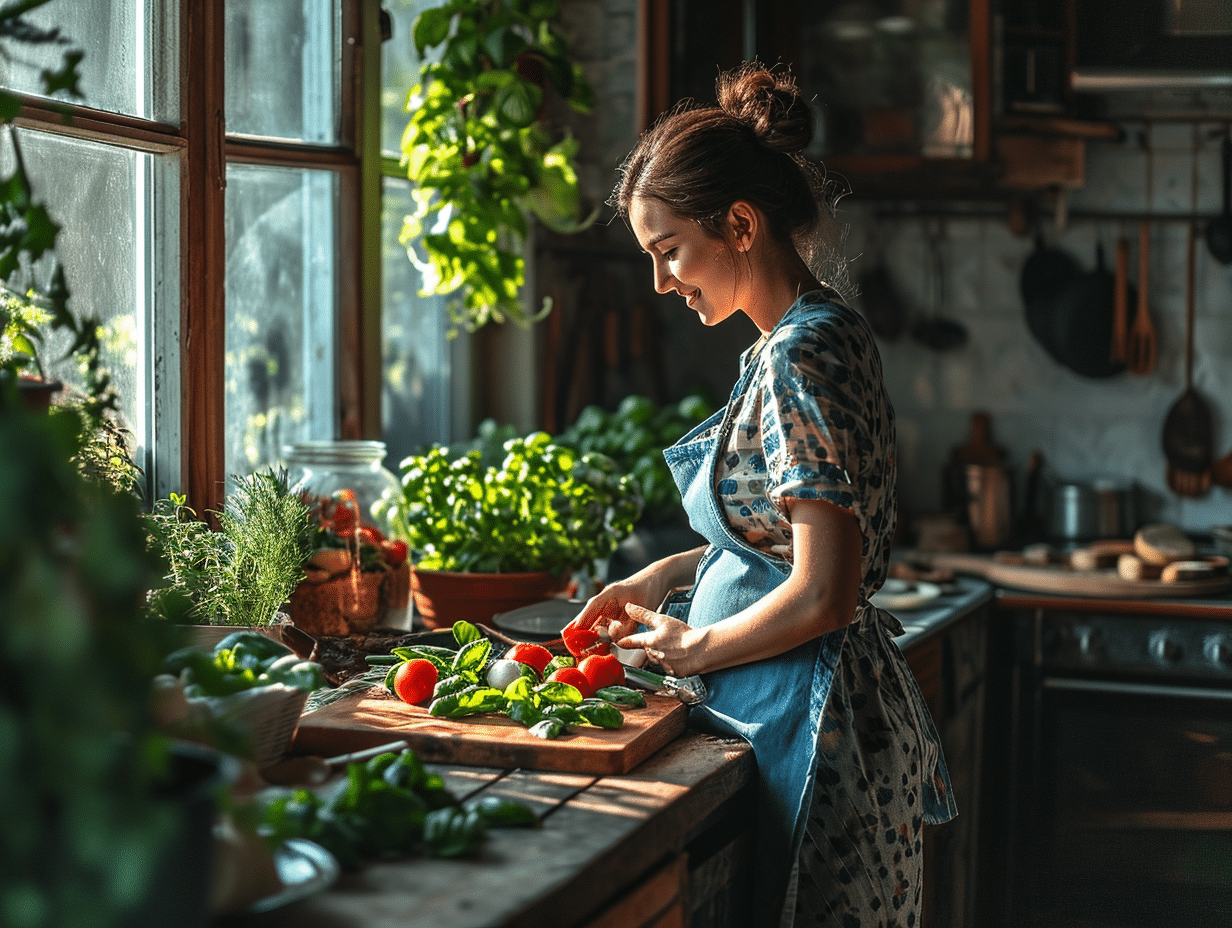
x: 689, y: 690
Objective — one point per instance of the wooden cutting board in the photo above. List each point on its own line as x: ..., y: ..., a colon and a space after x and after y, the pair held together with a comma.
x: 1102, y: 584
x: 364, y: 721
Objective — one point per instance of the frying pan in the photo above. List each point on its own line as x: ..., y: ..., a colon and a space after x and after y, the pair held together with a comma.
x: 1045, y: 274
x: 1082, y: 319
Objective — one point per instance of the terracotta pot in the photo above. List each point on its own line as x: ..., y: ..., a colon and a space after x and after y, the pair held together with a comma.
x: 443, y: 597
x: 38, y: 394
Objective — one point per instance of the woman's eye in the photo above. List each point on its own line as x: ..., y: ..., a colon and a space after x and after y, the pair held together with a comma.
x: 667, y: 255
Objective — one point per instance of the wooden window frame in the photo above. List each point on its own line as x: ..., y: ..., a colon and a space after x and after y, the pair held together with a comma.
x: 204, y: 151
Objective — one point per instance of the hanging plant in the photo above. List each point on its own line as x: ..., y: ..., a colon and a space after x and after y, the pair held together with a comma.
x: 481, y: 157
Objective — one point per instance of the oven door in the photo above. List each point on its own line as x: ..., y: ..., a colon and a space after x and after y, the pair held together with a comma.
x: 1132, y: 795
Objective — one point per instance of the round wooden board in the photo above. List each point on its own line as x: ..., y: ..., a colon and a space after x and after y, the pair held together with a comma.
x: 1104, y: 584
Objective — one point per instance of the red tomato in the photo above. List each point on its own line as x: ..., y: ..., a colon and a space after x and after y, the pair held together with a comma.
x: 370, y: 535
x: 415, y: 681
x: 573, y: 677
x: 394, y: 551
x: 535, y: 655
x: 602, y: 670
x: 345, y: 519
x: 584, y: 641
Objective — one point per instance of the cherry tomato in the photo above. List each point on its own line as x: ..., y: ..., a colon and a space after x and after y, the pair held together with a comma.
x: 415, y: 681
x: 575, y: 678
x: 345, y: 519
x: 394, y: 551
x: 584, y: 641
x: 535, y: 655
x: 602, y: 670
x: 370, y: 535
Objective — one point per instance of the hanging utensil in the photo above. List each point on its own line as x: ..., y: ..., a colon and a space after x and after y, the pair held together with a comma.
x: 1142, y: 347
x: 1187, y: 439
x: 880, y: 300
x: 1219, y: 230
x: 1083, y: 321
x: 1120, y: 306
x: 935, y: 331
x: 1045, y: 274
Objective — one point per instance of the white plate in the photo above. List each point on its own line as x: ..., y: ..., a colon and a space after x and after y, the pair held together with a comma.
x: 904, y: 594
x: 304, y: 867
x: 539, y: 622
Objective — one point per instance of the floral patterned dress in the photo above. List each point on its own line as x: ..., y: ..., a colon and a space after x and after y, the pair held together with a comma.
x: 813, y: 422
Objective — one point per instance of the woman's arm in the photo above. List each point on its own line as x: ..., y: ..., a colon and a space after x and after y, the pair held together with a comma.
x: 818, y: 596
x: 647, y: 588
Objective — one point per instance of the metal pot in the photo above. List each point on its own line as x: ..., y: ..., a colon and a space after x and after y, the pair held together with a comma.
x: 1090, y: 510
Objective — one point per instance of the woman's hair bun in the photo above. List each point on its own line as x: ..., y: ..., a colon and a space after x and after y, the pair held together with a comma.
x: 768, y: 102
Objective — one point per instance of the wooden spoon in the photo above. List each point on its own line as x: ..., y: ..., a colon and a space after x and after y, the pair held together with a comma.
x: 1187, y: 436
x: 1142, y: 348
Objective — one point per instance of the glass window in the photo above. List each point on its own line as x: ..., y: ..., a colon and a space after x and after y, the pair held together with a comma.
x: 281, y: 317
x: 118, y: 246
x: 283, y: 67
x: 416, y: 395
x: 121, y: 72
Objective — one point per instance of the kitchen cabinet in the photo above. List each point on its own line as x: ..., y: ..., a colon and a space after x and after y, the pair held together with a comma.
x: 950, y: 667
x: 955, y: 99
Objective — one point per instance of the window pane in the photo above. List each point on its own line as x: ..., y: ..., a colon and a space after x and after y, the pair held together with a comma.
x: 399, y: 71
x: 118, y: 215
x: 122, y: 72
x: 281, y: 298
x: 416, y: 352
x: 282, y: 70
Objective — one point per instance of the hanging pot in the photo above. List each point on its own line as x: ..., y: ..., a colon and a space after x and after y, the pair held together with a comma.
x: 1045, y: 274
x: 1082, y: 319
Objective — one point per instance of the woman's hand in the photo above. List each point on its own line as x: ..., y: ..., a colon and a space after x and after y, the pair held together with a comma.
x: 667, y: 641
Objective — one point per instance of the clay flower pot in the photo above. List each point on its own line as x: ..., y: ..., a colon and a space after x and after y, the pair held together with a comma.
x: 443, y: 597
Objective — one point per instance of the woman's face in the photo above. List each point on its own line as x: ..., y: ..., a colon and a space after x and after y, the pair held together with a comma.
x: 697, y: 265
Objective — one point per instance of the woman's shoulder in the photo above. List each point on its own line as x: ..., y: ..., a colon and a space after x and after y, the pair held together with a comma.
x: 821, y: 321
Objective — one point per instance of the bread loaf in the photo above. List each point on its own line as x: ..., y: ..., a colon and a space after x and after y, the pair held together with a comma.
x: 1100, y: 555
x: 1132, y: 567
x: 1194, y: 570
x: 1162, y: 544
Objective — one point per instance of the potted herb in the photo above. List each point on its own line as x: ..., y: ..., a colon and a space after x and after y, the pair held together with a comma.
x: 244, y: 572
x: 482, y: 158
x: 510, y: 534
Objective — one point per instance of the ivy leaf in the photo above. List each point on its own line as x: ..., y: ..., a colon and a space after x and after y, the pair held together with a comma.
x: 431, y: 28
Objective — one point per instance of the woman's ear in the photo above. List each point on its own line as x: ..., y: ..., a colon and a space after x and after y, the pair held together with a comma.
x: 744, y: 222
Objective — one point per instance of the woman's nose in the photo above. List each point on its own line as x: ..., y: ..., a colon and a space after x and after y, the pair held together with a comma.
x: 663, y: 279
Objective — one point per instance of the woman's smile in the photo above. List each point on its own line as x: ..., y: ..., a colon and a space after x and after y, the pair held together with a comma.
x: 688, y: 260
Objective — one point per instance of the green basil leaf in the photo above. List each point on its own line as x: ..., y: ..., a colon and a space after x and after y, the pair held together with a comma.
x: 556, y: 692
x: 473, y: 655
x: 464, y: 633
x: 548, y: 729
x: 622, y: 696
x: 498, y: 812
x: 524, y: 713
x: 567, y: 714
x: 602, y: 714
x: 452, y: 832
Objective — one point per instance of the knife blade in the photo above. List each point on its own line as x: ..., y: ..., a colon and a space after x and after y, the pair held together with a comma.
x: 689, y: 690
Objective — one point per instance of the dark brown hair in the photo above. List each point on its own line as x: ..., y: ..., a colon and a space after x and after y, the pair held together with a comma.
x: 698, y: 160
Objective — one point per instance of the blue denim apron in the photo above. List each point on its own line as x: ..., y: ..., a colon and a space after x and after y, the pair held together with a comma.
x: 775, y: 704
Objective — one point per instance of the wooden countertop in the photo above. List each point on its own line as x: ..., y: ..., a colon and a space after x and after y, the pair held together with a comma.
x: 601, y: 837
x: 1218, y: 608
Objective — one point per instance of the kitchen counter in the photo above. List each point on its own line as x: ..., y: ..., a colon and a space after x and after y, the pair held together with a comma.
x: 1210, y: 607
x: 667, y: 843
x: 965, y: 596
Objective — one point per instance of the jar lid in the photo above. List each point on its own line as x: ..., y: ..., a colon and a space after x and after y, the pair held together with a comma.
x: 342, y: 451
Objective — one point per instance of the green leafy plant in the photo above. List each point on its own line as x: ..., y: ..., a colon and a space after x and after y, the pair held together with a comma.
x: 480, y: 156
x: 634, y: 436
x: 241, y: 574
x: 544, y: 508
x: 80, y: 757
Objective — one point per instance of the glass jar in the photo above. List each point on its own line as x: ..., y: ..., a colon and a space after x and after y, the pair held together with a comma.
x: 322, y: 468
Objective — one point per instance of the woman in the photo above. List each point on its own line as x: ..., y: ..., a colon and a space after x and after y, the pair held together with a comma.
x: 792, y: 484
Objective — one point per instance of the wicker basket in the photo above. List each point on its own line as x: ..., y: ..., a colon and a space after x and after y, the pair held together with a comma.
x: 268, y: 714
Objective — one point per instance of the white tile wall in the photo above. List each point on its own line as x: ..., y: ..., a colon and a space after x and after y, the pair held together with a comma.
x: 1083, y: 427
